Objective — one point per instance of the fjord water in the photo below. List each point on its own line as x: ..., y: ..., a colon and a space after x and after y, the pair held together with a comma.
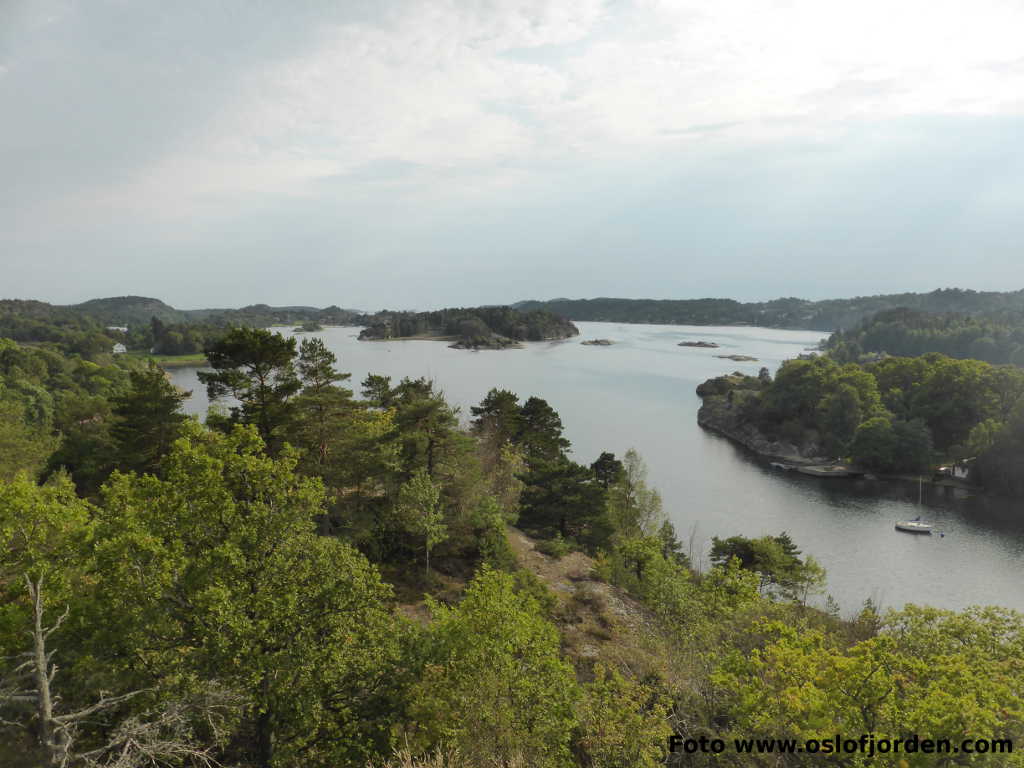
x: 639, y: 393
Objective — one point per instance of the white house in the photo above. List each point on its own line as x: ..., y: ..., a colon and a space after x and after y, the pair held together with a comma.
x: 121, y: 328
x: 120, y: 349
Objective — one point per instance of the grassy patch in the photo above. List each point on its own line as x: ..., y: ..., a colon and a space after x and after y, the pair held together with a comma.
x: 172, y: 361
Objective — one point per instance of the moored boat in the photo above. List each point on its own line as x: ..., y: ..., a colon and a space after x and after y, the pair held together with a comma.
x: 913, y: 526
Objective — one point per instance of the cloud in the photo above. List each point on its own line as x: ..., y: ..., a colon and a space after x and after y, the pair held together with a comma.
x: 161, y: 126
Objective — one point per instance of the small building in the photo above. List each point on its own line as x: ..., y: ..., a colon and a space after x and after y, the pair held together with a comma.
x: 121, y: 328
x: 120, y: 349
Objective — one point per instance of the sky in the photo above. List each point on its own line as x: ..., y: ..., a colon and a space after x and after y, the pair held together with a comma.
x: 422, y: 153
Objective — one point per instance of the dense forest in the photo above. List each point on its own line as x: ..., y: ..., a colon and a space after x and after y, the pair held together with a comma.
x: 828, y: 315
x: 993, y: 337
x: 471, y: 327
x: 895, y: 415
x: 317, y: 577
x: 92, y: 328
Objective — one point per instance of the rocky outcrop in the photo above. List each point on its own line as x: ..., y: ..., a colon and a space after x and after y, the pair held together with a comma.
x: 486, y: 342
x: 597, y: 343
x: 722, y: 415
x: 700, y: 344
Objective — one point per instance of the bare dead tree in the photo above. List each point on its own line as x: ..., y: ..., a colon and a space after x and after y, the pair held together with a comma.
x: 160, y: 738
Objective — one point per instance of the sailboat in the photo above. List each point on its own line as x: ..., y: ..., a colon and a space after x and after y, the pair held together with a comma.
x: 915, y: 525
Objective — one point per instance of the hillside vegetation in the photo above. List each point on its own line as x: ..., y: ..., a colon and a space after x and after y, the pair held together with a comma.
x: 825, y: 315
x: 993, y: 337
x: 316, y: 580
x: 896, y: 415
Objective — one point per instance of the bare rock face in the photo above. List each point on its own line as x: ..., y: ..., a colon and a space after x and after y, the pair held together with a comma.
x: 723, y: 415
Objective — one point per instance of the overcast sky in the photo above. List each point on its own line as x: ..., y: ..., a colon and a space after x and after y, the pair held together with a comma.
x: 430, y: 153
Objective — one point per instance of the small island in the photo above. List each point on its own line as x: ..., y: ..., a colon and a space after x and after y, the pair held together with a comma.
x: 310, y: 326
x: 700, y: 344
x: 597, y: 343
x: 472, y: 328
x: 738, y: 358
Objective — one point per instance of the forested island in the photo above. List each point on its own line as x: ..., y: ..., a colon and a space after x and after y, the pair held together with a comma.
x: 319, y: 579
x: 795, y: 313
x: 895, y: 416
x: 470, y: 328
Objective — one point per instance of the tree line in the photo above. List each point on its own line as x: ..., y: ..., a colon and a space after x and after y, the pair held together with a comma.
x: 826, y: 315
x: 472, y: 326
x: 996, y: 338
x: 895, y: 415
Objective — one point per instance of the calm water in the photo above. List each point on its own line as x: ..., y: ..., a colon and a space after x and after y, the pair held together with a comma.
x: 639, y: 393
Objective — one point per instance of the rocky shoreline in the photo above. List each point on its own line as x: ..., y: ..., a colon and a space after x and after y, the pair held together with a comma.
x: 719, y: 415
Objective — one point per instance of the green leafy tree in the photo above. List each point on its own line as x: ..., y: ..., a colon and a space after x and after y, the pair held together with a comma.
x: 425, y: 423
x: 777, y: 561
x: 87, y: 449
x: 634, y: 508
x: 214, y: 572
x: 874, y: 444
x: 623, y: 722
x: 255, y: 367
x: 24, y: 446
x: 323, y: 411
x: 494, y: 684
x: 419, y: 512
x: 377, y: 390
x: 563, y: 497
x: 607, y: 469
x: 147, y: 420
x: 499, y: 414
x: 540, y: 432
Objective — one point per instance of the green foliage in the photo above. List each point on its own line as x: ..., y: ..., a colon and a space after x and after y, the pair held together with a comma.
x: 932, y: 673
x: 147, y: 419
x: 996, y: 336
x: 418, y: 512
x: 215, y: 572
x: 556, y: 547
x: 622, y: 722
x: 607, y: 469
x: 256, y: 368
x: 473, y: 326
x: 563, y: 497
x: 494, y: 684
x: 897, y: 415
x: 778, y: 313
x: 24, y: 447
x: 998, y: 465
x: 634, y: 509
x: 775, y: 559
x: 44, y: 531
x: 498, y: 414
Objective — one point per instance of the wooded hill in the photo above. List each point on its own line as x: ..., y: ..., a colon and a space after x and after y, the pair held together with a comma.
x: 827, y: 315
x: 993, y: 337
x: 87, y: 328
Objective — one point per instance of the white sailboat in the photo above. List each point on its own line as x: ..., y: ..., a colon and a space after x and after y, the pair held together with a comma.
x: 916, y: 525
